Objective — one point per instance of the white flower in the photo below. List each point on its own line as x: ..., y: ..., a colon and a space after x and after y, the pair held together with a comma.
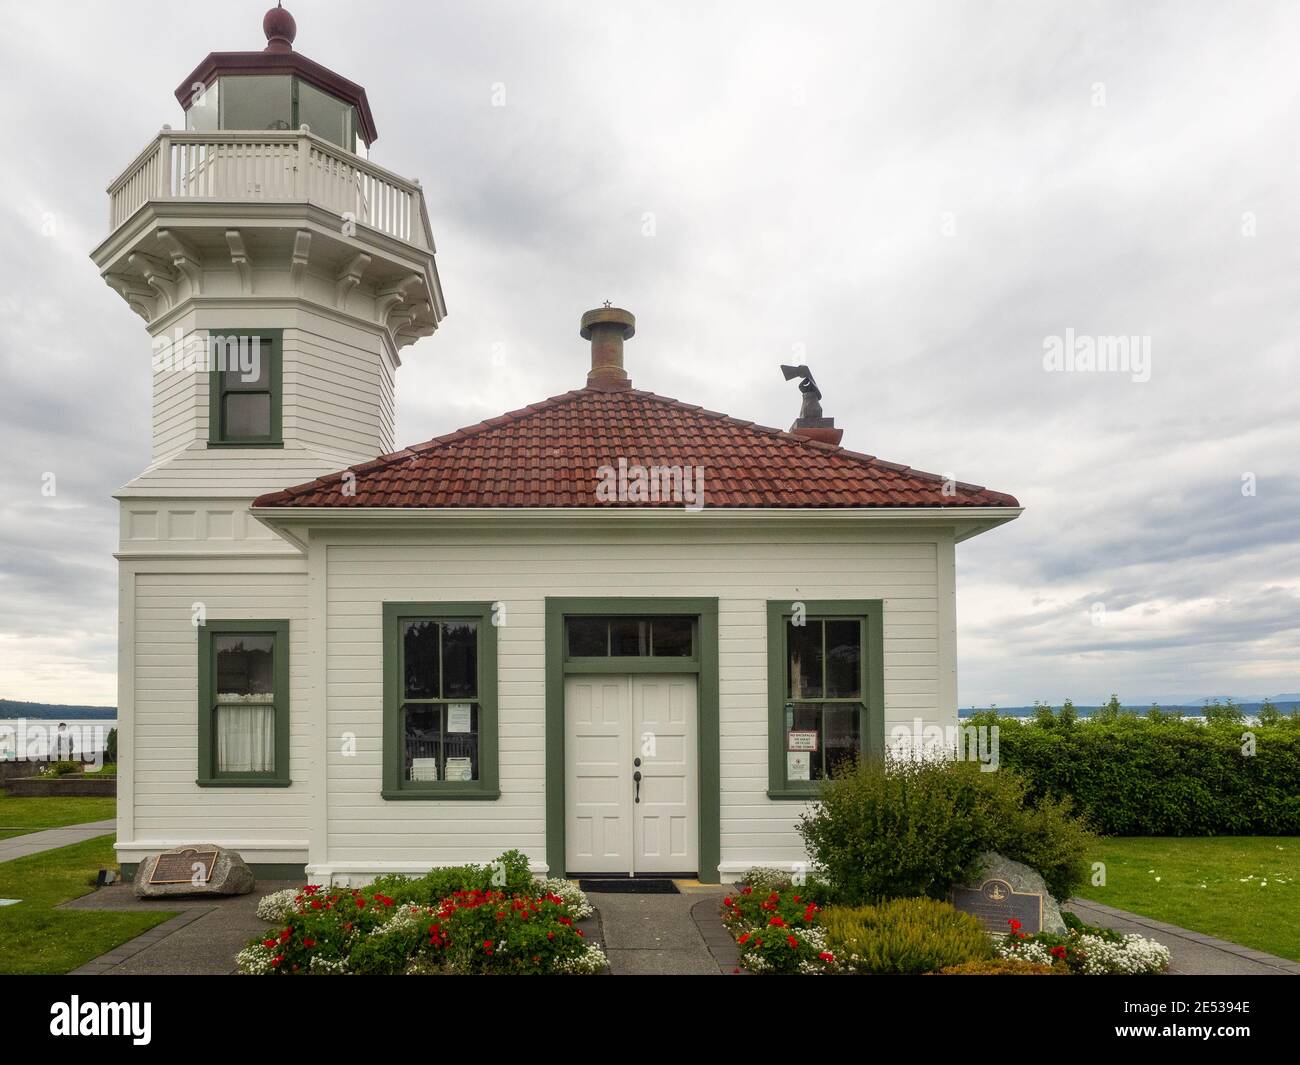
x: 276, y: 907
x: 575, y: 901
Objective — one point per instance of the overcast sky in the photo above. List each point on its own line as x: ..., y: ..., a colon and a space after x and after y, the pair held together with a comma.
x: 912, y: 198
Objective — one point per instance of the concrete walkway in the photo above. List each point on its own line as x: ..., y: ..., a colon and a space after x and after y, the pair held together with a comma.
x: 1190, y: 953
x: 201, y: 940
x: 49, y: 839
x: 655, y: 935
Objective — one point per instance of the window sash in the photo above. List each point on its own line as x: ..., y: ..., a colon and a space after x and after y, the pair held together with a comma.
x: 396, y: 782
x: 271, y: 348
x: 262, y: 752
x: 868, y: 614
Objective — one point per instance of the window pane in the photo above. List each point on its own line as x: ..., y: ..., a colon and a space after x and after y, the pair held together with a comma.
x: 841, y: 737
x: 588, y: 637
x: 459, y: 659
x: 843, y: 659
x: 248, y: 415
x: 257, y: 101
x: 244, y: 668
x: 201, y: 114
x: 328, y: 116
x: 627, y: 637
x: 672, y: 637
x: 804, y: 643
x: 245, y: 739
x: 819, y: 737
x: 460, y: 744
x: 420, y: 659
x: 422, y: 742
x: 244, y: 362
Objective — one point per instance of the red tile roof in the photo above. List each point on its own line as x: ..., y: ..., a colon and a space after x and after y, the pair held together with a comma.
x: 548, y: 455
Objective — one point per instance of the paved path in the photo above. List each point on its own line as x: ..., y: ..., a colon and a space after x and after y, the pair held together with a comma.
x: 202, y: 940
x: 1190, y: 953
x: 50, y: 838
x: 649, y: 935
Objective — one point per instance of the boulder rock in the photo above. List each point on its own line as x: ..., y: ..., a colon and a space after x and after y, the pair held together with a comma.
x: 230, y: 873
x: 993, y: 866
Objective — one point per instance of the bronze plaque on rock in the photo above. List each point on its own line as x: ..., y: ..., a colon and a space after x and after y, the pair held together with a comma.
x: 185, y: 866
x: 996, y: 905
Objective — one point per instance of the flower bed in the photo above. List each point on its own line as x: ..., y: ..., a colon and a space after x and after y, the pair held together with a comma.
x: 784, y: 927
x: 516, y: 927
x: 1084, y: 950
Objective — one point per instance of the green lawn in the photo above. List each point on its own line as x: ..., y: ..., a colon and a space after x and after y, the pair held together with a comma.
x: 37, y: 938
x: 1241, y: 888
x: 20, y: 816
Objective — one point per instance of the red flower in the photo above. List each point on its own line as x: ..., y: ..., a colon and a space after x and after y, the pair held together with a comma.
x: 794, y: 942
x: 826, y: 955
x: 727, y: 901
x: 1058, y: 952
x: 747, y: 891
x: 776, y: 920
x: 1015, y: 925
x: 316, y: 904
x: 744, y: 938
x: 275, y: 962
x: 268, y: 942
x: 309, y: 942
x: 550, y: 935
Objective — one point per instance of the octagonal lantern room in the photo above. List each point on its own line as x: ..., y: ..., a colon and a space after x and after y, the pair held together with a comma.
x: 277, y: 89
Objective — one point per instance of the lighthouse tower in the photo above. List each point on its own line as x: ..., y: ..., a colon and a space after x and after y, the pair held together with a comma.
x: 280, y: 272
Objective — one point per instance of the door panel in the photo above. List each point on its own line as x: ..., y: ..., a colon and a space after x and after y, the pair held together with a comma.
x: 609, y: 722
x: 597, y: 788
x: 665, y: 820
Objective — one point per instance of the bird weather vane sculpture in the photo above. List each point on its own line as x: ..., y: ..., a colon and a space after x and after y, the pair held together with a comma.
x: 812, y: 395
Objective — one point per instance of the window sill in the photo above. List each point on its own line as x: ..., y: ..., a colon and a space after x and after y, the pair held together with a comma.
x: 430, y: 794
x: 247, y: 443
x: 794, y: 795
x: 223, y: 782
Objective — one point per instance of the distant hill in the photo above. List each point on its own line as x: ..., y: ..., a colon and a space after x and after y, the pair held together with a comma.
x: 1288, y: 704
x: 10, y: 708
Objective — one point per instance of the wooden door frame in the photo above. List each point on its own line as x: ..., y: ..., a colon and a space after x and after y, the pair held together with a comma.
x: 708, y: 743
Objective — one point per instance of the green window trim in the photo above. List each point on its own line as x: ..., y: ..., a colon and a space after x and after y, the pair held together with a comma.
x: 274, y: 353
x: 871, y: 724
x: 208, y: 777
x: 394, y: 786
x: 708, y: 740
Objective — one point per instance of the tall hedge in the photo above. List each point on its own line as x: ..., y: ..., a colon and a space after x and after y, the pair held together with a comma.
x: 1159, y: 775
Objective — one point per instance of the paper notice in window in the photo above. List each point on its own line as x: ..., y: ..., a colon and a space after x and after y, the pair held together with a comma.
x: 798, y: 765
x: 801, y: 740
x: 458, y: 717
x: 460, y: 769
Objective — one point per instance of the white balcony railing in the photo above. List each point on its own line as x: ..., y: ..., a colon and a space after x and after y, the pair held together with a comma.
x: 270, y: 167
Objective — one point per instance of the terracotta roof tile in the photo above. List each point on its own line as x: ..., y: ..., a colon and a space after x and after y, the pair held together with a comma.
x: 547, y: 455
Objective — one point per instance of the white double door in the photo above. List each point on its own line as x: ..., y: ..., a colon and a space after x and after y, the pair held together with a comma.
x: 616, y: 729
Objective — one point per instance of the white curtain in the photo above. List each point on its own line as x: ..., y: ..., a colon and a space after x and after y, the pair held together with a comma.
x: 246, y: 739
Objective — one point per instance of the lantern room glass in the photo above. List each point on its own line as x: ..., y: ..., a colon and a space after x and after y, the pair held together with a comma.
x: 274, y: 102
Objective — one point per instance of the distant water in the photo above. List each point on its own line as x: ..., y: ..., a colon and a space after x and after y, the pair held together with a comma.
x: 36, y: 737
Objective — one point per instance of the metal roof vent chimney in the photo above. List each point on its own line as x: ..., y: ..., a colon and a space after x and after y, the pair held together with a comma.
x: 607, y: 327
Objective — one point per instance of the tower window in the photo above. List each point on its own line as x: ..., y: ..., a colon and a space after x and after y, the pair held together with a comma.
x: 244, y: 386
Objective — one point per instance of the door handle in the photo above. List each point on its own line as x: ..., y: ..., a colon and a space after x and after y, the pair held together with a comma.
x: 636, y: 781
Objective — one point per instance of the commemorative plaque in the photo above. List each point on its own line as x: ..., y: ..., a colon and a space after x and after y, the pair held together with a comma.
x: 995, y: 904
x: 184, y: 866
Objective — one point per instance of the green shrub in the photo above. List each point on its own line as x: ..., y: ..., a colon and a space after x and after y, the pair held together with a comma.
x: 906, y: 936
x: 509, y: 874
x: 63, y: 769
x: 1003, y: 967
x: 902, y: 829
x: 1161, y: 775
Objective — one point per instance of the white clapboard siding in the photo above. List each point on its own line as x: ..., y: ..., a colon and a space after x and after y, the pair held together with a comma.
x: 166, y: 803
x: 337, y: 411
x: 743, y: 571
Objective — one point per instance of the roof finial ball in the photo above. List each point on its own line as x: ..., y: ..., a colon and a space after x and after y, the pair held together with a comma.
x: 280, y: 30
